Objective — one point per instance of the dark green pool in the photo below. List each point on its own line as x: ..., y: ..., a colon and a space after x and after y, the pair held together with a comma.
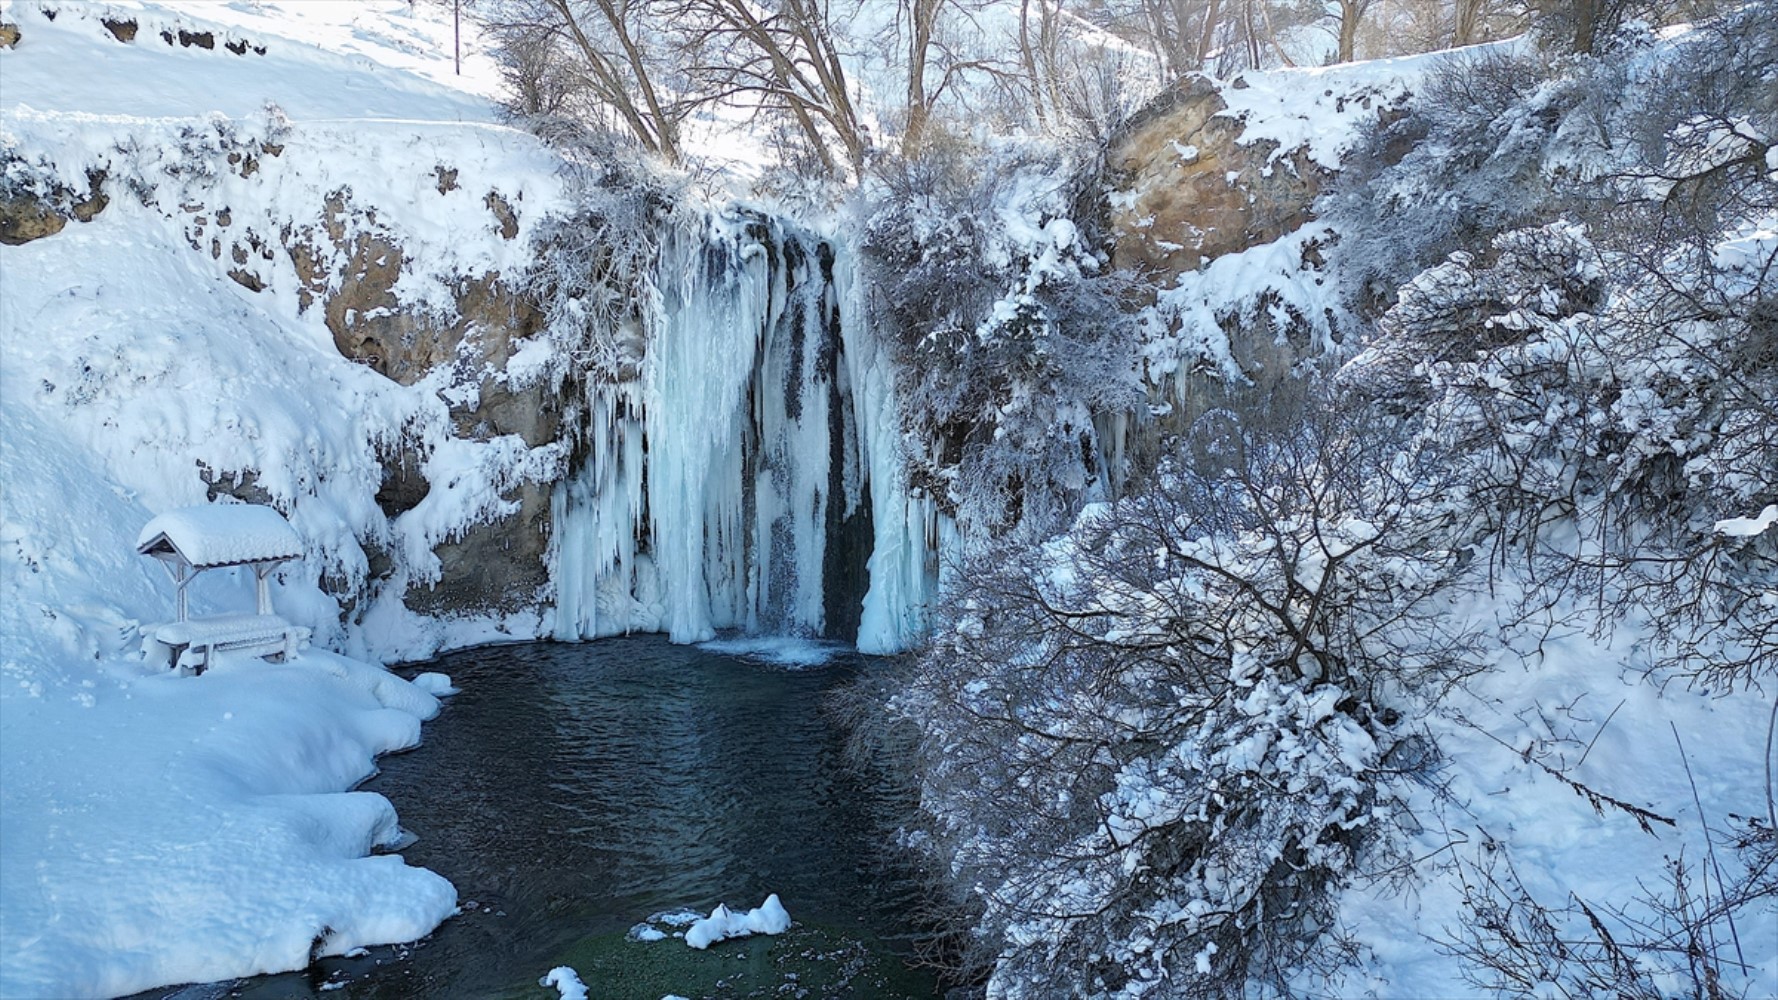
x: 571, y: 791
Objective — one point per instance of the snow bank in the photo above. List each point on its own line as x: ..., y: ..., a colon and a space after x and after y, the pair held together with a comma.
x: 768, y: 917
x: 1586, y: 709
x: 1320, y: 109
x: 160, y: 829
x: 361, y: 59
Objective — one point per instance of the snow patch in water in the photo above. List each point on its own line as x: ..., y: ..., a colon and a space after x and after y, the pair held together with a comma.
x: 768, y: 917
x: 435, y: 684
x: 567, y: 981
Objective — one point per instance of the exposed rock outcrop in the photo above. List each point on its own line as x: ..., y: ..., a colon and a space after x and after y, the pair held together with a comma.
x: 26, y: 216
x: 1190, y: 190
x: 348, y: 264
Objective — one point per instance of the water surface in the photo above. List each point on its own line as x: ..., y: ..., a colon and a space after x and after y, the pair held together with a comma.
x: 570, y: 791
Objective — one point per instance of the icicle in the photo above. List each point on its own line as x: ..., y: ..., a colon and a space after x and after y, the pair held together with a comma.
x: 904, y: 558
x: 711, y: 485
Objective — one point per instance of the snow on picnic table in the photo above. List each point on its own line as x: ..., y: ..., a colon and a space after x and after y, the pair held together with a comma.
x: 220, y: 630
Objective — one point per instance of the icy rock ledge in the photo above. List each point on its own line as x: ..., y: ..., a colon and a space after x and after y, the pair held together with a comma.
x: 768, y: 917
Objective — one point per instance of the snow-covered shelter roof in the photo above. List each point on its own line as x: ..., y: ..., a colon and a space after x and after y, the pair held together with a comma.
x: 221, y: 535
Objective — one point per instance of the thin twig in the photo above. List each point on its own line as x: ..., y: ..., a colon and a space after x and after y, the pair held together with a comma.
x: 1710, y: 852
x: 1771, y: 805
x: 1601, y: 732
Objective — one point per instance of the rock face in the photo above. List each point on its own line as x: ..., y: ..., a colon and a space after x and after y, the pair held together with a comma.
x: 1191, y: 191
x: 1191, y: 184
x: 25, y: 216
x: 348, y: 267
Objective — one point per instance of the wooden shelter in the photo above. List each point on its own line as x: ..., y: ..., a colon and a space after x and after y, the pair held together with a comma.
x: 191, y: 540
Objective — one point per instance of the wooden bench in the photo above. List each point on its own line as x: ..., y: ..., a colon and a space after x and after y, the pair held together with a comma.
x: 189, y: 645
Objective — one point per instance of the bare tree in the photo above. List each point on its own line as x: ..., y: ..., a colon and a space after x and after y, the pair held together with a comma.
x: 945, y: 45
x: 594, y: 58
x: 1347, y: 15
x: 780, y: 57
x: 1181, y: 33
x: 1039, y: 53
x: 1072, y: 81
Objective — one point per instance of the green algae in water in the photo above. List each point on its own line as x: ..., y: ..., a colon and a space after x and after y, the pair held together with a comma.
x: 805, y: 961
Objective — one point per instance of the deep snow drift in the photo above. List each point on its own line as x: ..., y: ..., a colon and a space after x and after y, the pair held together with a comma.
x: 159, y: 829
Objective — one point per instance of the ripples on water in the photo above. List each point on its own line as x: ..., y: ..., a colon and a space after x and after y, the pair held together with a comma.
x: 570, y: 791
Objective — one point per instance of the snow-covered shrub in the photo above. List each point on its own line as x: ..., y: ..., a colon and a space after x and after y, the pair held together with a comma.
x: 1010, y: 327
x: 1606, y: 418
x: 594, y: 269
x: 1608, y: 376
x: 1465, y: 161
x: 1156, y: 744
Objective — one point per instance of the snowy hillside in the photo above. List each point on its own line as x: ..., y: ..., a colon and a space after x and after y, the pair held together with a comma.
x: 163, y: 829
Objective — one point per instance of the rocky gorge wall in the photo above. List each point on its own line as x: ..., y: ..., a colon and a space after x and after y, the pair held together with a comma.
x: 747, y: 470
x: 726, y: 479
x: 1213, y: 194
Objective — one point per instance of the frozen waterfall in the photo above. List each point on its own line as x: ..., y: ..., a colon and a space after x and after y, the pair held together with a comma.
x: 751, y: 475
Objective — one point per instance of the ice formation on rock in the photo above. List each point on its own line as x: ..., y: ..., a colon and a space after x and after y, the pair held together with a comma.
x: 742, y: 478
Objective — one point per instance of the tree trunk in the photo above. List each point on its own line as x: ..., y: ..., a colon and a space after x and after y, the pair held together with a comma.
x: 1207, y: 32
x: 1586, y: 25
x: 1028, y: 61
x: 920, y: 18
x: 1349, y: 13
x: 1467, y: 24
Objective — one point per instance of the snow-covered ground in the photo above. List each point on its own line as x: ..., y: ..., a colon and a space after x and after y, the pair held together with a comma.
x: 1590, y: 709
x: 157, y: 829
x: 160, y: 829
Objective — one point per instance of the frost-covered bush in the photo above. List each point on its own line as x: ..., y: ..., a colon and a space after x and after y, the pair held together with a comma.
x: 1606, y: 374
x: 1614, y: 423
x: 595, y: 265
x: 1157, y: 744
x: 1512, y: 137
x: 1465, y: 161
x: 1010, y: 329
